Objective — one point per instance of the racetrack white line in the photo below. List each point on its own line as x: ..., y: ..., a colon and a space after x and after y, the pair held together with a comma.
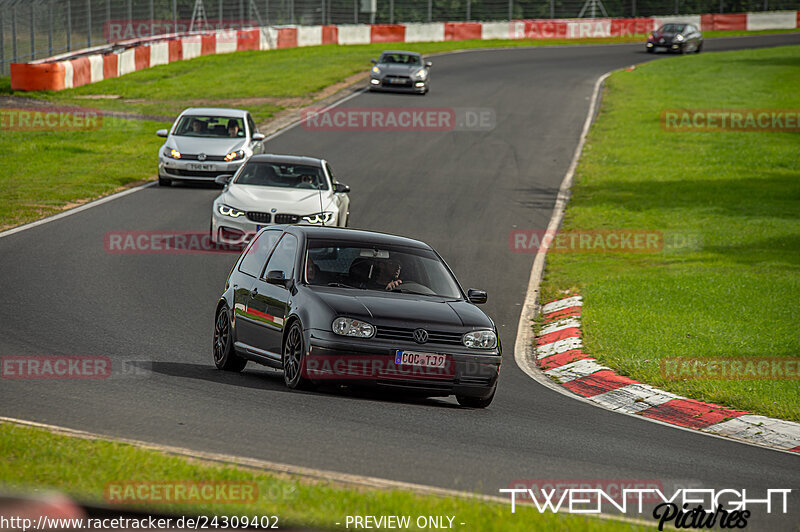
x: 524, y: 351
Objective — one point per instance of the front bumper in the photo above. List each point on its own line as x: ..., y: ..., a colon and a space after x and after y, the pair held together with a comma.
x: 366, y: 362
x: 668, y: 46
x: 238, y: 231
x: 383, y: 84
x: 180, y: 170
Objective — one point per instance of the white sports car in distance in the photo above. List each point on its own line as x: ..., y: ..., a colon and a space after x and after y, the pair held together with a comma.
x: 277, y: 189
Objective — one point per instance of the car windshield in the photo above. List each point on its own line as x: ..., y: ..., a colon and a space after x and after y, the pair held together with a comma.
x: 210, y: 126
x: 282, y: 175
x: 672, y: 28
x: 403, y: 59
x: 359, y: 265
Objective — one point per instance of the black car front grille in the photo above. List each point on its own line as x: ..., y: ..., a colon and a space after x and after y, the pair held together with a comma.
x: 286, y: 218
x: 192, y: 173
x: 259, y: 217
x: 403, y: 334
x: 193, y: 157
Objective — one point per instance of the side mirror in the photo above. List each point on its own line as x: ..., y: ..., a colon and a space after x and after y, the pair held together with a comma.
x: 276, y: 277
x: 223, y: 179
x: 373, y: 61
x: 428, y: 64
x: 341, y: 188
x: 162, y: 132
x: 259, y: 136
x: 476, y: 296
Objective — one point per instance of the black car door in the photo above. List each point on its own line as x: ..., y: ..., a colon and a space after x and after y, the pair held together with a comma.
x: 269, y: 302
x: 249, y: 270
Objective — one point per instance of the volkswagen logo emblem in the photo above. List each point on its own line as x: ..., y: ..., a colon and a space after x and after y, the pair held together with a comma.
x: 201, y: 157
x: 420, y: 336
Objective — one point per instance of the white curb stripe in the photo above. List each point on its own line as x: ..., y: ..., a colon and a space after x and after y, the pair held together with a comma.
x: 760, y: 429
x: 561, y: 304
x: 559, y: 346
x: 633, y: 398
x: 560, y: 325
x: 575, y: 370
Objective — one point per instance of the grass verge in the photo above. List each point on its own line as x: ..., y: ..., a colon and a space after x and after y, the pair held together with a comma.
x: 35, y: 459
x: 52, y: 170
x: 734, y: 195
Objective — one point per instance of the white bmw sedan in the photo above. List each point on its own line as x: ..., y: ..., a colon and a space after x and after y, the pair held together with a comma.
x: 277, y: 189
x: 206, y: 142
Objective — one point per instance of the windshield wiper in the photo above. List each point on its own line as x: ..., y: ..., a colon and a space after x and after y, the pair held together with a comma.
x: 342, y: 285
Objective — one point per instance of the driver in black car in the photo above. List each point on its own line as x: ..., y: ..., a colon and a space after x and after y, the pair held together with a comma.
x: 386, y: 274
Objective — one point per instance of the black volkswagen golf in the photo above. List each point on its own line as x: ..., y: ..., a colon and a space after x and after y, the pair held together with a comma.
x: 345, y: 306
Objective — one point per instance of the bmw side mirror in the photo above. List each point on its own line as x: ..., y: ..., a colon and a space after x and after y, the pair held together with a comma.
x: 476, y: 296
x: 259, y: 136
x: 428, y: 64
x: 223, y: 179
x: 341, y: 188
x: 276, y: 277
x: 162, y: 133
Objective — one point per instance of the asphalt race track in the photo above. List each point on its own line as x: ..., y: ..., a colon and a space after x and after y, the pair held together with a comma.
x: 460, y: 191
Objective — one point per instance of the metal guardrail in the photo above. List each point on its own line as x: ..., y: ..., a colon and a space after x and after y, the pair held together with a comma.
x: 36, y: 29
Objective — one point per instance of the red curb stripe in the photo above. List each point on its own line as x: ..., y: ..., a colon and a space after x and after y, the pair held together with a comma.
x: 600, y: 382
x: 562, y: 358
x: 563, y: 313
x: 260, y: 314
x: 690, y: 413
x: 560, y: 299
x: 796, y: 449
x: 569, y: 332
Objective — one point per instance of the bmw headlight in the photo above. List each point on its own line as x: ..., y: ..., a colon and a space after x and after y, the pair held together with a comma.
x: 480, y: 340
x: 320, y: 218
x: 233, y: 212
x: 679, y: 38
x: 234, y: 155
x: 421, y: 73
x: 351, y: 327
x: 376, y: 70
x: 172, y: 153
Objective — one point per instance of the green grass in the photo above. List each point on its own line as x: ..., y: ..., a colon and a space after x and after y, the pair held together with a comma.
x: 733, y: 295
x: 34, y: 459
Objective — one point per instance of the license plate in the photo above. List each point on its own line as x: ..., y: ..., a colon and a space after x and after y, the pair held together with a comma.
x: 195, y: 166
x: 412, y: 358
x: 397, y: 81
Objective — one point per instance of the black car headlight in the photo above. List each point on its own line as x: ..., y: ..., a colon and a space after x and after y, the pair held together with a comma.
x: 226, y: 210
x: 234, y: 155
x: 480, y: 340
x: 352, y: 327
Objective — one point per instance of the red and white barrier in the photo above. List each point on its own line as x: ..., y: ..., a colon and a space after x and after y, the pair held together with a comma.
x: 86, y: 67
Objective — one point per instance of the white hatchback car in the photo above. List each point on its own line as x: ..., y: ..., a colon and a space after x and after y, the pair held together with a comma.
x: 277, y: 189
x: 206, y: 142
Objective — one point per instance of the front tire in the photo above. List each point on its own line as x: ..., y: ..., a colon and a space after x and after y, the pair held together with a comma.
x: 699, y: 48
x: 294, y: 358
x: 475, y: 402
x: 225, y: 357
x: 164, y: 182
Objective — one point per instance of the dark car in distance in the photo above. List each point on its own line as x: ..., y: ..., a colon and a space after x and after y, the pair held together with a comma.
x: 680, y: 38
x: 345, y: 306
